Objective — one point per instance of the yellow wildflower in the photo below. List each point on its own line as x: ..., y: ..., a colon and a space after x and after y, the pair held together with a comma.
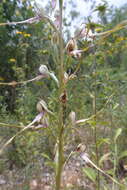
x: 119, y: 39
x: 26, y: 35
x: 18, y: 32
x: 12, y: 60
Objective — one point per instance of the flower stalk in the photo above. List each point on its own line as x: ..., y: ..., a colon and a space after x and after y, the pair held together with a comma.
x: 95, y: 118
x: 60, y: 161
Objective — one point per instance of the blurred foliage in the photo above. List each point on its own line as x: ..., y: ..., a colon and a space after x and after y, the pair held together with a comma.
x: 24, y: 48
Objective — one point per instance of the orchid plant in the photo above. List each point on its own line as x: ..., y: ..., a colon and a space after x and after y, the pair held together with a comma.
x: 71, y: 49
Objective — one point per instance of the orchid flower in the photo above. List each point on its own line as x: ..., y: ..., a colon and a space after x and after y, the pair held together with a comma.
x: 38, y: 118
x: 57, y: 19
x: 72, y: 49
x: 43, y: 71
x: 41, y: 120
x: 76, y: 53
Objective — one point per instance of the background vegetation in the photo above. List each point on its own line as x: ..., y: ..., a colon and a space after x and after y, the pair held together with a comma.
x: 99, y: 89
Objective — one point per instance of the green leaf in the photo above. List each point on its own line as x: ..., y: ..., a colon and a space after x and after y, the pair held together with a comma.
x: 118, y: 133
x: 110, y: 172
x: 45, y: 156
x: 123, y: 154
x: 104, y: 157
x: 105, y: 188
x: 116, y: 106
x: 50, y: 164
x: 103, y: 141
x: 90, y: 173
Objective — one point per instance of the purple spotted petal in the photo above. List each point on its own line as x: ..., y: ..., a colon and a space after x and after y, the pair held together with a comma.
x: 85, y: 157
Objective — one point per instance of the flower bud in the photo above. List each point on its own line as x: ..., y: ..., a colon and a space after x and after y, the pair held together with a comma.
x: 81, y: 148
x: 39, y: 107
x: 43, y: 70
x: 72, y: 117
x: 66, y: 78
x: 55, y: 38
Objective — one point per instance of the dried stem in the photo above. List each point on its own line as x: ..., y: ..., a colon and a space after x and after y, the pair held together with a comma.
x: 33, y: 20
x: 14, y: 83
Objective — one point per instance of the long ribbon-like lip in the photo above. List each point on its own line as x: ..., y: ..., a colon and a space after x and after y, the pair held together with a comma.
x: 52, y: 75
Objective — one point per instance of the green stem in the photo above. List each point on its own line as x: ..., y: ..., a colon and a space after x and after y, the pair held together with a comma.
x: 11, y: 125
x: 95, y: 139
x: 61, y: 106
x: 95, y: 113
x: 115, y: 164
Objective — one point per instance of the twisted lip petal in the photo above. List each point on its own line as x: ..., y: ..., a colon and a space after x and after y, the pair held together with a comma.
x: 52, y: 75
x: 38, y: 117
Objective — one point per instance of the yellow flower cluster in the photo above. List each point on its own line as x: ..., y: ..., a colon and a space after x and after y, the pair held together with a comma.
x: 12, y: 60
x: 27, y: 35
x: 119, y: 39
x: 24, y: 34
x: 18, y: 32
